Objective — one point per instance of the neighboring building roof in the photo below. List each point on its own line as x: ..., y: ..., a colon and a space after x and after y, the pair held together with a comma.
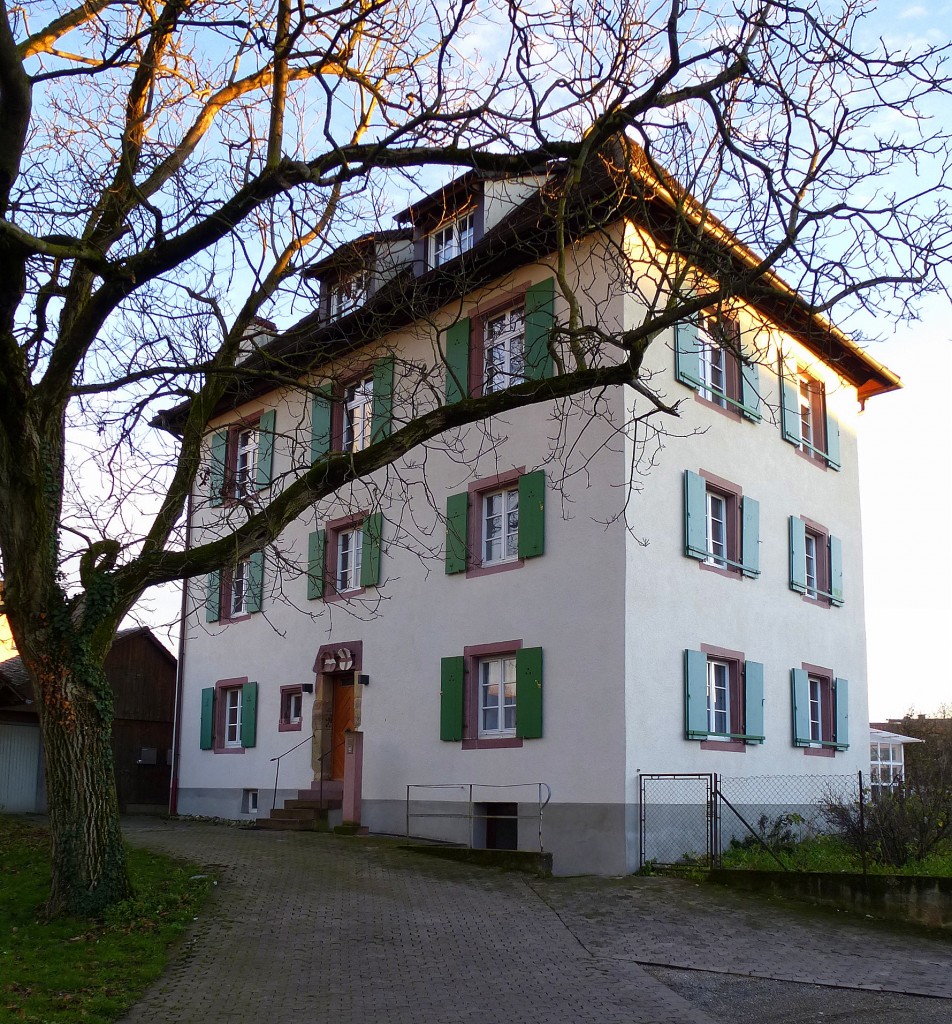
x: 622, y: 183
x: 15, y: 678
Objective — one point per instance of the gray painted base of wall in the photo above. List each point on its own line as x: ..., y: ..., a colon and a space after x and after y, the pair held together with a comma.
x: 228, y: 803
x: 584, y: 839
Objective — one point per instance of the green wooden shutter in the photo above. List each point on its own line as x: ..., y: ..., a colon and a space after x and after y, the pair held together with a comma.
x: 695, y: 516
x: 540, y: 319
x: 687, y: 354
x: 750, y: 391
x: 695, y: 695
x: 750, y: 537
x: 789, y: 404
x: 206, y: 735
x: 370, y: 550
x: 321, y: 415
x: 753, y: 702
x: 452, y: 680
x: 531, y: 541
x: 832, y: 442
x: 457, y: 361
x: 316, y: 548
x: 800, y: 702
x: 213, y: 596
x: 264, y: 469
x: 836, y: 571
x: 798, y: 555
x: 382, y: 422
x: 841, y: 699
x: 255, y: 581
x: 219, y: 451
x: 529, y: 693
x: 457, y: 532
x: 249, y: 714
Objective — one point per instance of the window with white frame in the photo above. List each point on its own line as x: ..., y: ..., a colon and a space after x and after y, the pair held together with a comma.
x: 349, y: 553
x: 246, y: 461
x: 497, y: 697
x: 454, y: 238
x: 292, y: 705
x: 232, y: 721
x: 713, y: 365
x: 358, y: 415
x: 346, y: 294
x: 238, y: 589
x: 718, y: 698
x: 504, y: 359
x: 819, y: 727
x: 811, y: 564
x: 717, y: 534
x: 500, y: 526
x: 886, y: 765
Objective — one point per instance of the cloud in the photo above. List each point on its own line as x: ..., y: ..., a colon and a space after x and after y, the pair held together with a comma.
x: 916, y: 11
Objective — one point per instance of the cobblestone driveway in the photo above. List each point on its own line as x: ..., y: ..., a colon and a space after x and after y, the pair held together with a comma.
x: 317, y: 928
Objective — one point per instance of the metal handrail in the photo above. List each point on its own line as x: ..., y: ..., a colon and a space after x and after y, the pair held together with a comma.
x: 470, y: 816
x: 277, y: 767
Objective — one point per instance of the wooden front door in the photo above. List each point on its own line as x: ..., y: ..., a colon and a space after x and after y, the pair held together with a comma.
x: 343, y: 719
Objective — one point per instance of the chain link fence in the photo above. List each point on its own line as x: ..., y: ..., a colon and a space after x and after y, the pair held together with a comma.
x: 691, y: 820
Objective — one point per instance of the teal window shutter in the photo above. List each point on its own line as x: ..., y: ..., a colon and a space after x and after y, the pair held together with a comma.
x: 789, y: 404
x: 316, y: 548
x: 753, y: 702
x: 457, y: 361
x: 695, y: 516
x: 264, y: 469
x: 382, y: 422
x: 249, y: 714
x: 321, y: 407
x: 798, y: 555
x: 687, y: 354
x: 255, y: 581
x: 695, y: 695
x: 750, y: 537
x: 452, y: 678
x: 457, y: 532
x: 531, y: 540
x: 529, y: 693
x: 206, y: 736
x: 832, y: 442
x: 540, y: 319
x: 370, y: 550
x: 213, y: 596
x: 219, y: 451
x: 750, y: 391
x: 836, y: 571
x: 800, y: 702
x: 841, y: 697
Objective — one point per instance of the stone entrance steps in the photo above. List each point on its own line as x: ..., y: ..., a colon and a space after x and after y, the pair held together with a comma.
x: 309, y: 811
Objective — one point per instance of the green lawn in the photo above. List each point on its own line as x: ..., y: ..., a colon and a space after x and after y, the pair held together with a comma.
x: 79, y: 970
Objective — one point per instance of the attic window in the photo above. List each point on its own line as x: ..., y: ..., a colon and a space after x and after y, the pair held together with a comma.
x: 452, y: 239
x: 346, y: 294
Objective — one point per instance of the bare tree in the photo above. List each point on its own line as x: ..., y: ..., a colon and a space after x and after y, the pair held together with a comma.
x: 167, y: 169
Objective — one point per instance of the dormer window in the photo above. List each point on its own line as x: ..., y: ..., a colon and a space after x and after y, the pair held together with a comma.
x: 448, y: 241
x: 346, y: 294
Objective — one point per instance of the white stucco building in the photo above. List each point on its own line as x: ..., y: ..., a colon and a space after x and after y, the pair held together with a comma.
x: 571, y: 594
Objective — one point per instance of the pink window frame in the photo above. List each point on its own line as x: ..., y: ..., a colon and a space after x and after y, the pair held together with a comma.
x: 472, y: 656
x: 827, y: 712
x: 734, y: 495
x: 477, y: 348
x: 732, y: 374
x: 284, y: 725
x: 823, y: 578
x: 474, y: 541
x: 218, y: 719
x: 249, y: 422
x: 735, y: 662
x: 333, y: 529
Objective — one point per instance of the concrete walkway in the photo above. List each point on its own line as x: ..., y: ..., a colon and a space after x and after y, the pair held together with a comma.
x: 317, y: 928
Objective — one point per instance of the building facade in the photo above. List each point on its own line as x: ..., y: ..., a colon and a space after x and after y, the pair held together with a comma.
x: 551, y: 603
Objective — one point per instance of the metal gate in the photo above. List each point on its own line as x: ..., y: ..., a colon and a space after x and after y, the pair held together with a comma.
x: 678, y: 817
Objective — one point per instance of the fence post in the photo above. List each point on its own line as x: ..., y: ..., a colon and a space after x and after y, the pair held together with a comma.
x: 862, y: 828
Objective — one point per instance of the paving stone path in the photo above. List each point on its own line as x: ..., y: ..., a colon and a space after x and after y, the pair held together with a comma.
x: 318, y: 928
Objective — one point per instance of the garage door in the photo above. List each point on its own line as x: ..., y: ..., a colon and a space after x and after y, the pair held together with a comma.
x: 19, y: 764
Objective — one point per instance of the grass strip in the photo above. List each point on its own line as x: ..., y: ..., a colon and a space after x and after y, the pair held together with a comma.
x: 78, y: 970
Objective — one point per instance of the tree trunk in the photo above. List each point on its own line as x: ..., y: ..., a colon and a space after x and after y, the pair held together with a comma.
x: 89, y: 861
